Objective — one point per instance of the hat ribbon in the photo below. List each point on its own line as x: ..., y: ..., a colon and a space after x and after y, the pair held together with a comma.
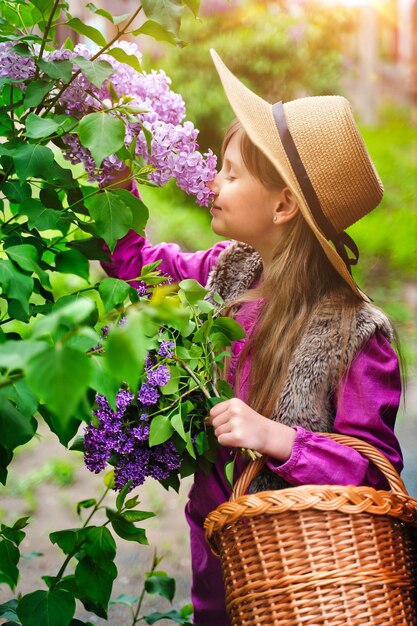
x: 342, y: 241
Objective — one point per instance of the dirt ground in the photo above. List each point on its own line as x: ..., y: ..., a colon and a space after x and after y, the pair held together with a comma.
x: 37, y: 487
x: 46, y: 482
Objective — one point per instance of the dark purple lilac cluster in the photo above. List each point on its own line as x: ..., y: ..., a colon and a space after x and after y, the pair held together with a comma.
x: 122, y: 435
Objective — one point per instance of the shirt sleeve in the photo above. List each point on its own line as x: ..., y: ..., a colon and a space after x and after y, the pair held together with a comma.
x: 367, y: 404
x: 133, y: 251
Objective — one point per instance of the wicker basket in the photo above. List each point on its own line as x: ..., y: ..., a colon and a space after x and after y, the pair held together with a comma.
x: 319, y: 555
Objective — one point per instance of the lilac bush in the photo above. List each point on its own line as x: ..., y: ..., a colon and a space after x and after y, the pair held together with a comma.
x: 147, y: 104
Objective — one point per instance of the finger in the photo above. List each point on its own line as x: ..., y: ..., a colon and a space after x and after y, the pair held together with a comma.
x: 219, y: 408
x: 223, y: 418
x: 222, y: 429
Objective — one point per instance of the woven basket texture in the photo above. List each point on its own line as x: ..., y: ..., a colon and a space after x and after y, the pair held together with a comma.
x: 319, y: 555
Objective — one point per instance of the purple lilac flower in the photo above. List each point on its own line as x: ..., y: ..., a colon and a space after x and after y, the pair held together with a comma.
x: 117, y: 432
x: 109, y: 435
x: 148, y: 395
x: 166, y: 348
x: 13, y: 65
x: 159, y: 377
x: 174, y: 149
x: 142, y: 289
x: 165, y: 459
x: 133, y: 467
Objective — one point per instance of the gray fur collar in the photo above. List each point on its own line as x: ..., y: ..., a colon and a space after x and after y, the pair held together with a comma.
x: 307, y: 396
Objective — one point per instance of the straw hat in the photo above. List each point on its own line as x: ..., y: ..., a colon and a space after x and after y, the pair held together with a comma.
x: 316, y: 147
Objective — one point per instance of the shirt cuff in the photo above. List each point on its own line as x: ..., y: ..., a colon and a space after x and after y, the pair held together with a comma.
x: 286, y: 468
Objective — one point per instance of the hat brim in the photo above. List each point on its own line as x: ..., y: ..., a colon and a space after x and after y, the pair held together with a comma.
x: 257, y: 119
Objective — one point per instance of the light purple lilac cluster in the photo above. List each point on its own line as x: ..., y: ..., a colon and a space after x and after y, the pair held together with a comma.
x: 125, y: 433
x: 15, y: 66
x: 174, y: 147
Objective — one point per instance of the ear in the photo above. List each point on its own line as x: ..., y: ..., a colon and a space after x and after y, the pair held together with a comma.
x: 286, y: 207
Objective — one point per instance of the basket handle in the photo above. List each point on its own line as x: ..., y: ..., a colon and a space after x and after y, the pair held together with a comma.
x: 364, y: 448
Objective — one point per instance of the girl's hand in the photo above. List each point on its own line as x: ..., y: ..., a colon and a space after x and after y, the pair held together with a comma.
x: 238, y: 426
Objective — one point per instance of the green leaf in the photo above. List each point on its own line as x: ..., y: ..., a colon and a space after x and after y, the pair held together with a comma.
x: 140, y: 213
x: 190, y: 447
x: 15, y: 284
x: 51, y: 608
x: 85, y: 504
x: 100, y: 545
x: 65, y: 430
x: 88, y: 31
x: 228, y: 327
x: 102, y: 380
x: 60, y: 376
x: 8, y: 609
x: 72, y: 262
x: 39, y: 216
x: 125, y: 599
x: 122, y: 495
x: 9, y: 558
x: 38, y: 127
x: 167, y: 13
x: 61, y: 70
x: 158, y: 32
x: 112, y: 216
x: 137, y: 516
x: 194, y: 6
x: 229, y: 469
x: 123, y: 57
x: 193, y: 291
x: 97, y: 72
x: 14, y: 354
x: 91, y: 248
x: 16, y: 193
x: 68, y: 540
x: 128, y: 531
x: 113, y: 292
x: 177, y: 423
x: 20, y: 394
x: 127, y: 347
x: 26, y: 256
x: 44, y: 6
x: 95, y: 580
x: 15, y: 427
x: 36, y: 91
x: 102, y: 133
x: 161, y: 430
x: 31, y: 159
x: 173, y: 616
x: 161, y: 584
x: 68, y: 315
x: 115, y: 19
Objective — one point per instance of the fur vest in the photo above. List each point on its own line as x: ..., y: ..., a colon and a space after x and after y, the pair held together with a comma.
x: 306, y: 398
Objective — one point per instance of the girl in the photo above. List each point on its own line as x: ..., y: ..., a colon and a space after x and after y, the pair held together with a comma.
x: 317, y: 356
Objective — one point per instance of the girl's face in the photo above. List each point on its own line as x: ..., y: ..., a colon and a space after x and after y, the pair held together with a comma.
x: 243, y: 209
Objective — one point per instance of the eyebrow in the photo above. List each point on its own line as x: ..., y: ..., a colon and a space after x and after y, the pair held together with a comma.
x: 231, y: 163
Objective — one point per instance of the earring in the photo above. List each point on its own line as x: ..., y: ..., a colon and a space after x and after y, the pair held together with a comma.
x: 275, y: 218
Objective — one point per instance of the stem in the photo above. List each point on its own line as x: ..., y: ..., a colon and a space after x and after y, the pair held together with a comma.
x: 106, y: 47
x: 12, y: 379
x: 77, y: 547
x: 45, y: 35
x: 191, y: 373
x: 136, y: 617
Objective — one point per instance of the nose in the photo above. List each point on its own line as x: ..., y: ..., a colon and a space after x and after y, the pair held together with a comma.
x: 214, y: 185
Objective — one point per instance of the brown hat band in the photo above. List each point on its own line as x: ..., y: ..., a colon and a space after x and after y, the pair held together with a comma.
x: 340, y: 240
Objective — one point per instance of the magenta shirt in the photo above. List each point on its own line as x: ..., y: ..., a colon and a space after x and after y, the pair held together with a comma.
x: 366, y: 408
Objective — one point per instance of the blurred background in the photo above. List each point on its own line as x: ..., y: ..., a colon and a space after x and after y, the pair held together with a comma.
x: 282, y: 49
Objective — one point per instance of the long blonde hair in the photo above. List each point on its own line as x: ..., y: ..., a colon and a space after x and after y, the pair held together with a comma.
x: 296, y: 281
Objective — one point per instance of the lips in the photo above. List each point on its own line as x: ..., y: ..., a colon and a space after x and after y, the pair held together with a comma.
x: 215, y: 208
